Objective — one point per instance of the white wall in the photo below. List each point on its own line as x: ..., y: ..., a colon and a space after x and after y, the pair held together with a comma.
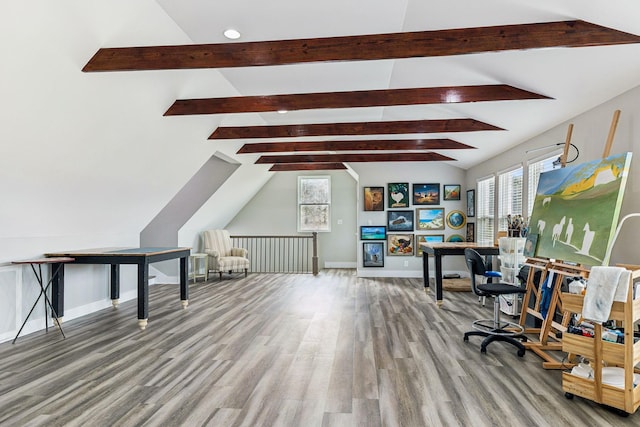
x: 590, y: 131
x: 272, y: 211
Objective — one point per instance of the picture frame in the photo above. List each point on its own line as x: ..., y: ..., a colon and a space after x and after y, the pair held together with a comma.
x: 373, y: 232
x: 398, y: 195
x: 471, y: 203
x: 400, y: 220
x: 530, y: 245
x: 471, y: 232
x: 373, y: 254
x: 456, y: 219
x: 373, y: 199
x: 427, y: 238
x: 429, y: 219
x: 426, y: 194
x: 400, y: 244
x: 451, y: 192
x: 455, y: 238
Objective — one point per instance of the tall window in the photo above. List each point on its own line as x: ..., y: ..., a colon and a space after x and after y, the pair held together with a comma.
x: 509, y: 196
x: 535, y: 169
x: 485, y: 214
x: 314, y: 203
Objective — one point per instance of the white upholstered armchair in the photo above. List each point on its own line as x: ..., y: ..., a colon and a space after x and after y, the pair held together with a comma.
x: 223, y: 257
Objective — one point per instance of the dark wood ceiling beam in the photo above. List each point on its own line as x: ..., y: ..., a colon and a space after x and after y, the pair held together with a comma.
x: 363, y: 98
x: 350, y: 158
x: 356, y: 128
x: 284, y: 167
x: 363, y: 47
x: 357, y: 145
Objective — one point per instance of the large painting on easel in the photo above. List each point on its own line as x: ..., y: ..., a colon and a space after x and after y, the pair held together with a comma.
x: 576, y: 209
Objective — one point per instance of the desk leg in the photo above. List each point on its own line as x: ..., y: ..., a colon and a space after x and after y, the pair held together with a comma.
x: 115, y: 285
x: 425, y: 270
x: 438, y: 259
x: 57, y: 290
x: 184, y: 285
x: 143, y: 294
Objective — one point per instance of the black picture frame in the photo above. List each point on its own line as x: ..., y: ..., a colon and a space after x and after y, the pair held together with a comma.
x: 400, y: 220
x: 471, y: 232
x: 471, y: 203
x: 426, y: 194
x: 373, y: 232
x: 373, y: 198
x: 373, y: 254
x: 451, y: 191
x: 398, y: 195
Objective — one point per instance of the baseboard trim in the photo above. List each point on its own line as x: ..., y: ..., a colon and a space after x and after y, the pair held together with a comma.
x: 330, y: 264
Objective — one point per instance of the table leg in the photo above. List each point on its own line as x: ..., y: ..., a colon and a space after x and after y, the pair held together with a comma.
x: 143, y: 294
x: 57, y: 289
x: 425, y: 270
x: 184, y: 285
x: 438, y: 260
x: 115, y: 285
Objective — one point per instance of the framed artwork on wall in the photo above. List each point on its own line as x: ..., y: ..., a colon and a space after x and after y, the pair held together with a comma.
x: 373, y: 254
x: 398, y: 193
x: 400, y: 220
x: 456, y: 219
x: 373, y: 232
x: 451, y: 192
x: 430, y: 219
x: 373, y: 198
x: 471, y: 203
x: 455, y: 238
x: 400, y: 244
x: 426, y: 194
x: 471, y: 232
x: 427, y: 238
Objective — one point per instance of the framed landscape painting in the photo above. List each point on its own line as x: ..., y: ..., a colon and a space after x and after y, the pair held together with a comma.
x: 373, y: 198
x: 427, y: 238
x: 398, y: 193
x: 373, y: 232
x: 426, y: 194
x: 400, y: 220
x: 430, y: 219
x: 451, y: 191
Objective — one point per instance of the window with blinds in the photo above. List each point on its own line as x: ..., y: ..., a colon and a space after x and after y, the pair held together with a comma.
x: 535, y: 169
x: 509, y: 196
x: 485, y: 210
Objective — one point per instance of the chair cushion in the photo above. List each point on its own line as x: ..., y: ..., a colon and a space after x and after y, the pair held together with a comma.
x: 500, y: 289
x: 232, y: 263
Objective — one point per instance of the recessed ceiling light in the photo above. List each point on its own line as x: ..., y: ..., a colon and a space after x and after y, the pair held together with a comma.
x: 232, y: 34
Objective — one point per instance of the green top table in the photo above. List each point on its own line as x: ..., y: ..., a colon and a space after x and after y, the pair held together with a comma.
x: 438, y: 250
x: 115, y: 257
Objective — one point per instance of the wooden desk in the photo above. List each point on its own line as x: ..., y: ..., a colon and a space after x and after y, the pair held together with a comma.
x: 438, y: 250
x: 56, y: 266
x: 142, y: 257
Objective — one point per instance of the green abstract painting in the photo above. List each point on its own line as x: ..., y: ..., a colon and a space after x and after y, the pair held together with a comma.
x: 576, y: 209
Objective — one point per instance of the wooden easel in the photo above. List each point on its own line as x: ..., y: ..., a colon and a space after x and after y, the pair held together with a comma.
x: 549, y: 334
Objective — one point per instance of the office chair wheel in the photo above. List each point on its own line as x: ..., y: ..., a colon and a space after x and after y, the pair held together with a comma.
x: 483, y: 349
x: 465, y: 338
x: 521, y: 352
x: 568, y: 395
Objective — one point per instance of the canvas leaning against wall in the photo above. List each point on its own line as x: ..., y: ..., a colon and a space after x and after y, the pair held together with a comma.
x: 576, y: 209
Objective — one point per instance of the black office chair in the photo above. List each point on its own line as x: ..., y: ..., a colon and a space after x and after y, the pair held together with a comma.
x: 493, y: 329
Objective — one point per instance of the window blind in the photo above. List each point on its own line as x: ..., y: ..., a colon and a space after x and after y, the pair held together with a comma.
x: 509, y: 196
x: 485, y: 210
x: 535, y: 169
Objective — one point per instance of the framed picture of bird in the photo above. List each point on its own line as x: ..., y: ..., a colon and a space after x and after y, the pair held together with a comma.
x: 398, y: 195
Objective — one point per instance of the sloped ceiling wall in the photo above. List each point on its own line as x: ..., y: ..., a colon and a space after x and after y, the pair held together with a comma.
x: 88, y: 159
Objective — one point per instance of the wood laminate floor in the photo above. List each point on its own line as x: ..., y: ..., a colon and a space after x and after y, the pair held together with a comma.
x: 284, y: 350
